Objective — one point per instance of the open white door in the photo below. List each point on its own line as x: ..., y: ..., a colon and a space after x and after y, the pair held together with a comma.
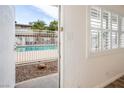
x: 7, y: 35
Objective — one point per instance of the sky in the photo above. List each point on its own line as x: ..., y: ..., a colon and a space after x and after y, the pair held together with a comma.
x: 30, y: 13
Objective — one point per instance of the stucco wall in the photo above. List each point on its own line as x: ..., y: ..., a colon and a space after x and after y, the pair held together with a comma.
x: 80, y: 70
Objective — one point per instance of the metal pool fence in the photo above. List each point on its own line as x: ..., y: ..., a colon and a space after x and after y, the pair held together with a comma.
x: 36, y: 46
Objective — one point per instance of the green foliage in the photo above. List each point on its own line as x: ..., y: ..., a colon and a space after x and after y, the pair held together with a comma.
x: 53, y: 26
x: 40, y: 25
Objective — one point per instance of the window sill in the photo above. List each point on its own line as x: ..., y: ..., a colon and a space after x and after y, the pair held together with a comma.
x: 106, y: 53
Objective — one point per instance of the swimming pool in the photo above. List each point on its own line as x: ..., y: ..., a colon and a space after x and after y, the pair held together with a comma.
x: 35, y: 48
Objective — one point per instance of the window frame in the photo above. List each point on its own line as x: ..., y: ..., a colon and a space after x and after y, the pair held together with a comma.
x: 89, y: 53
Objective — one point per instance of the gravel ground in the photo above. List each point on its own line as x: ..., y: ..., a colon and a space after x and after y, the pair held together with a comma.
x: 29, y: 71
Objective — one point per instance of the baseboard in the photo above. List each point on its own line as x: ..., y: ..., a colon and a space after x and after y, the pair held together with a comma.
x: 102, y: 85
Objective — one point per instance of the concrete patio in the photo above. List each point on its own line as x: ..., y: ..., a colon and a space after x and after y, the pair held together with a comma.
x: 49, y: 81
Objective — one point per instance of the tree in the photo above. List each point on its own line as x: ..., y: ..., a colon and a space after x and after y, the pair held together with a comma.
x: 40, y: 25
x: 53, y: 26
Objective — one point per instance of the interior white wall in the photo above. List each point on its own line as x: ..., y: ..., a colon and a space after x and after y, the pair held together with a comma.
x: 7, y: 62
x: 78, y: 69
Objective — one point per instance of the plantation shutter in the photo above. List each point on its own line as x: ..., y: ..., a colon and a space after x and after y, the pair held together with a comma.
x: 122, y: 33
x: 114, y: 34
x: 95, y: 28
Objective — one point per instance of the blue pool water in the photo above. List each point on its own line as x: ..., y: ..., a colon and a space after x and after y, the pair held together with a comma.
x: 35, y: 48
